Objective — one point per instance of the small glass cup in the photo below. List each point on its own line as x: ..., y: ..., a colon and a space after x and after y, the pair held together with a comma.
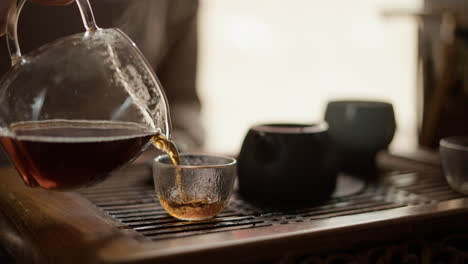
x: 454, y: 160
x: 198, y: 189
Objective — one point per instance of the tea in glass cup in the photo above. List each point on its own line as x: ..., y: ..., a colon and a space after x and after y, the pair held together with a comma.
x: 197, y: 189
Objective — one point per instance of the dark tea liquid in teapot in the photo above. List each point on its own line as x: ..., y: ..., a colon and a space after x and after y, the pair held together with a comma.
x: 89, y: 151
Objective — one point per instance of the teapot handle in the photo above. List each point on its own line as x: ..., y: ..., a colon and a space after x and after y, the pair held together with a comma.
x: 12, y: 26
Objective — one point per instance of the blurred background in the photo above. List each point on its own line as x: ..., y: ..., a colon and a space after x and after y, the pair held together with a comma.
x: 265, y: 61
x: 275, y: 60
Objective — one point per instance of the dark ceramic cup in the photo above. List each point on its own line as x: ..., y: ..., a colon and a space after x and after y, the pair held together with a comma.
x: 287, y: 163
x: 360, y: 129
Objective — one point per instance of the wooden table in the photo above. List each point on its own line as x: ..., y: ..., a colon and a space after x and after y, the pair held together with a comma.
x: 120, y: 221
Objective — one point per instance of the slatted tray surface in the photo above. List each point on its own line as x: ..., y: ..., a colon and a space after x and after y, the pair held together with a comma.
x: 129, y: 198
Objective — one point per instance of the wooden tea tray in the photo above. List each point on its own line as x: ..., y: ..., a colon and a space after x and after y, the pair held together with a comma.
x: 121, y: 221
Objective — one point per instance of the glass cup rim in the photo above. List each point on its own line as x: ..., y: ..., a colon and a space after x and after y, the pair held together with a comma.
x: 230, y: 161
x: 455, y: 142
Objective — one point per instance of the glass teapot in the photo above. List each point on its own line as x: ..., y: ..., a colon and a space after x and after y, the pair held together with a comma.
x: 76, y: 109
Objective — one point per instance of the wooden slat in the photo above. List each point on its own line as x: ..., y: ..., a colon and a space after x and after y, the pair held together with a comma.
x: 57, y: 227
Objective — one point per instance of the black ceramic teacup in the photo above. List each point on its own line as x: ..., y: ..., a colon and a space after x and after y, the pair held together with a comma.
x: 287, y: 163
x: 360, y: 129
